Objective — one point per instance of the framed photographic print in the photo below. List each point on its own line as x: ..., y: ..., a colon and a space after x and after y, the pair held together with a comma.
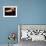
x: 9, y: 11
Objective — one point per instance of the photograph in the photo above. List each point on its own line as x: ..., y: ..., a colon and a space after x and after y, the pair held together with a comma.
x: 9, y: 11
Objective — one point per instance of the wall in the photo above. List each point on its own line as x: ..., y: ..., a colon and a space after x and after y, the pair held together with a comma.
x: 29, y: 12
x: 7, y: 25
